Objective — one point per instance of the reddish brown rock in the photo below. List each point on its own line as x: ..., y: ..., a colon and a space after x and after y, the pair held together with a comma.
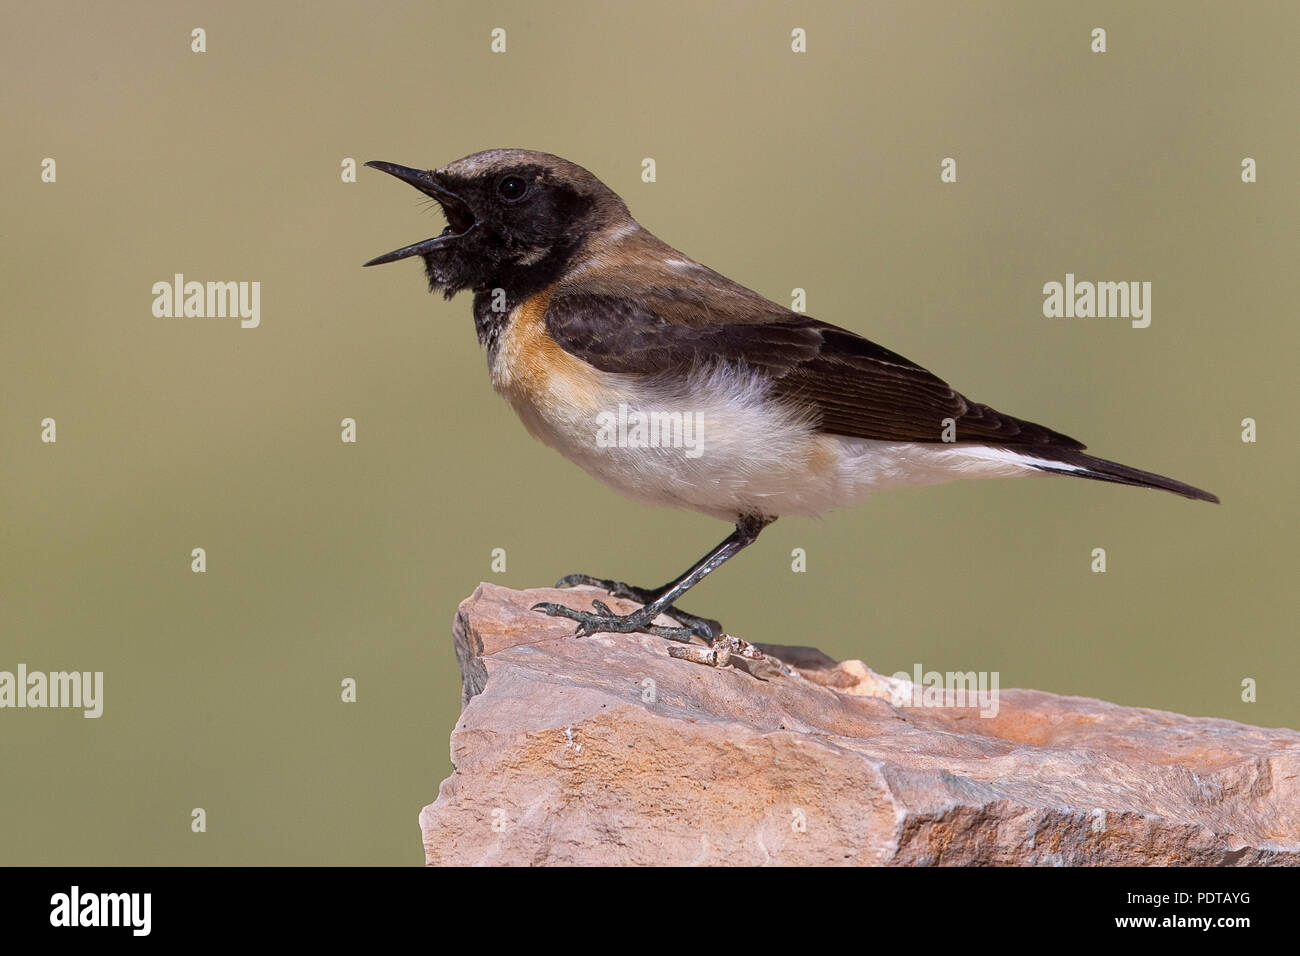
x: 607, y: 749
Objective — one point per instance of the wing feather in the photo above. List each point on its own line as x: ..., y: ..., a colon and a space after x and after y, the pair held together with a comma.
x: 855, y: 387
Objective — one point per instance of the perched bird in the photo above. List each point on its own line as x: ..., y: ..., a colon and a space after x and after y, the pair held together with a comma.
x: 587, y: 318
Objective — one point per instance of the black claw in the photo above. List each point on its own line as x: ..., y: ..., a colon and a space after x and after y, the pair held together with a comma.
x: 577, y: 580
x: 616, y: 588
x: 604, y: 620
x: 705, y: 628
x: 680, y: 634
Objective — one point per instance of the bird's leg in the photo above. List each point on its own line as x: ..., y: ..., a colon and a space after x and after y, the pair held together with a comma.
x: 641, y: 596
x: 605, y: 620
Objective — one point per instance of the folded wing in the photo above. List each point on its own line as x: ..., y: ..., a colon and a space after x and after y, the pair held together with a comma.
x: 854, y: 387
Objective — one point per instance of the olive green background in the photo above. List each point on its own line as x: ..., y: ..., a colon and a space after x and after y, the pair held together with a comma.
x: 820, y: 171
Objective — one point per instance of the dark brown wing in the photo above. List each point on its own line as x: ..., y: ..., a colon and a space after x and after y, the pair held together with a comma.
x: 857, y: 388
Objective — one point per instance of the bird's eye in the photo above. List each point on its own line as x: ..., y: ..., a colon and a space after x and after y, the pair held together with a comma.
x: 512, y: 188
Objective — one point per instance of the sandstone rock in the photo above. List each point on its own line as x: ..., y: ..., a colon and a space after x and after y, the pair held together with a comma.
x: 607, y: 750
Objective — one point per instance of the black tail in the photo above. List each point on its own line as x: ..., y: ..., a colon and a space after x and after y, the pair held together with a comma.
x: 1086, y: 466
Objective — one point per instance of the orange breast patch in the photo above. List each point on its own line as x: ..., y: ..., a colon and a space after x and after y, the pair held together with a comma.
x: 535, y: 373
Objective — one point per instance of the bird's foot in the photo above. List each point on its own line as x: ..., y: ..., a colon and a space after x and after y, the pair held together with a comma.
x: 604, y: 620
x: 704, y: 627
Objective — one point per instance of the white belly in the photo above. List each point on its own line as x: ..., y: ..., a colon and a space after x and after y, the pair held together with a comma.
x: 722, y: 448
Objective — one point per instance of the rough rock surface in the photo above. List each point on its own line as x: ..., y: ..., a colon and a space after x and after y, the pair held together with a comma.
x: 607, y: 750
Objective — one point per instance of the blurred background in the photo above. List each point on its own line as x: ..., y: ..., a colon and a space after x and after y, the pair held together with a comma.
x: 820, y: 171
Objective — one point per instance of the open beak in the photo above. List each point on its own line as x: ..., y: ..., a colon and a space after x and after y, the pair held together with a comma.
x: 460, y: 218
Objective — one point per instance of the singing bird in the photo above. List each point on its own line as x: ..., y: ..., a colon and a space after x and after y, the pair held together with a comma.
x: 586, y: 315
